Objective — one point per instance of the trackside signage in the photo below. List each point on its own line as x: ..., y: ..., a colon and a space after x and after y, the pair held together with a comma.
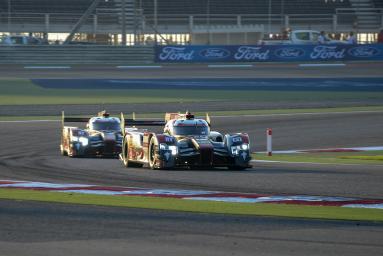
x: 263, y: 53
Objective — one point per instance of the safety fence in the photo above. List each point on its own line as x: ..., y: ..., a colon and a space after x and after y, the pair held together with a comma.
x: 267, y: 53
x: 76, y: 54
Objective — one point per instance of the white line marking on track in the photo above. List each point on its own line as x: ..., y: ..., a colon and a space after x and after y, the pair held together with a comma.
x: 367, y: 206
x: 313, y: 163
x: 47, y: 67
x: 137, y: 67
x: 310, y: 65
x: 325, y: 150
x: 230, y: 66
x: 297, y: 114
x: 194, y: 194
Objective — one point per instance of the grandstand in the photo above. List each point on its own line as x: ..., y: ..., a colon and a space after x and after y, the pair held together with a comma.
x: 164, y: 19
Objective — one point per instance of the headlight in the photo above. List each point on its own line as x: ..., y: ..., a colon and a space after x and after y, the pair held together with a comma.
x: 236, y: 149
x: 172, y: 148
x: 84, y: 141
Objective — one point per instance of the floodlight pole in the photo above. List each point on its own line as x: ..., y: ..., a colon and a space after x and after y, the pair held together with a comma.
x: 208, y: 22
x: 155, y: 14
x: 9, y: 15
x: 282, y: 13
x: 123, y: 20
x: 269, y: 18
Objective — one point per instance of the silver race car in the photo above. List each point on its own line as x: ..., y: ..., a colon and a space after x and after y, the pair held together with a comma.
x: 101, y: 137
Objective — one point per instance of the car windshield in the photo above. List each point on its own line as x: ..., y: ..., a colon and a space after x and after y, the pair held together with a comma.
x: 191, y: 130
x: 106, y: 126
x: 17, y: 40
x: 303, y: 36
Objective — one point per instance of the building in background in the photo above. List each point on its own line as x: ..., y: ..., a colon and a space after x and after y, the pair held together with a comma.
x: 187, y: 22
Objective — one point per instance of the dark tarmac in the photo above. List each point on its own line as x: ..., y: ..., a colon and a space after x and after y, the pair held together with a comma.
x: 32, y: 228
x: 36, y: 157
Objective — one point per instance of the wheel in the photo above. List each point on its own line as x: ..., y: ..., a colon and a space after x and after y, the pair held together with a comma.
x: 62, y: 151
x: 125, y: 157
x: 152, y: 153
x: 71, y: 152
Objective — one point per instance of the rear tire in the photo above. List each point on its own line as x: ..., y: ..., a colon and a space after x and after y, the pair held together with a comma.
x: 125, y: 157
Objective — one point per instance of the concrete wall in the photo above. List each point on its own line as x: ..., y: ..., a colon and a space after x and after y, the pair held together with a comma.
x: 76, y: 54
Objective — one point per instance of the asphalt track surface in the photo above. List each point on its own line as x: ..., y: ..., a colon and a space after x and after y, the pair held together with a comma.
x: 261, y: 70
x: 30, y: 152
x: 61, y: 230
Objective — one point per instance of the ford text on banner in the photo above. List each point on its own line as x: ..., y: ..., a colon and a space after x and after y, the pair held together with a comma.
x: 265, y: 53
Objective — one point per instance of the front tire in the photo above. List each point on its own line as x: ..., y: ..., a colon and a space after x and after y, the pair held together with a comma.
x: 63, y: 152
x: 152, y: 153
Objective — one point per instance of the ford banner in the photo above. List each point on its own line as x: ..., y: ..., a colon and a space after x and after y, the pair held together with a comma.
x: 263, y: 53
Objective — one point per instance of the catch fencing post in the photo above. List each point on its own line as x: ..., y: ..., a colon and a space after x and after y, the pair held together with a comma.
x: 269, y: 133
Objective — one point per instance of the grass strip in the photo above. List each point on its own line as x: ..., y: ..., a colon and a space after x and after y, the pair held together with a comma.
x: 377, y: 158
x: 262, y: 209
x: 367, y: 157
x: 24, y: 92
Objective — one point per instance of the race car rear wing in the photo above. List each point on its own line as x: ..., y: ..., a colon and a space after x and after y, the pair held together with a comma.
x: 133, y: 122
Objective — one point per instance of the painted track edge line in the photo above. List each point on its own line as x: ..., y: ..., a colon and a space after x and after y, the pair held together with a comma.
x: 230, y: 66
x: 310, y: 65
x: 313, y: 163
x: 139, y: 67
x: 231, y: 197
x: 47, y: 67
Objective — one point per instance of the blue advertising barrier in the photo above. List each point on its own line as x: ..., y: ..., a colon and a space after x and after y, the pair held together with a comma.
x: 266, y: 53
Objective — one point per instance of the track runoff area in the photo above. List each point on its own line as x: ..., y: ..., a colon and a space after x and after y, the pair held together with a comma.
x: 372, y: 85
